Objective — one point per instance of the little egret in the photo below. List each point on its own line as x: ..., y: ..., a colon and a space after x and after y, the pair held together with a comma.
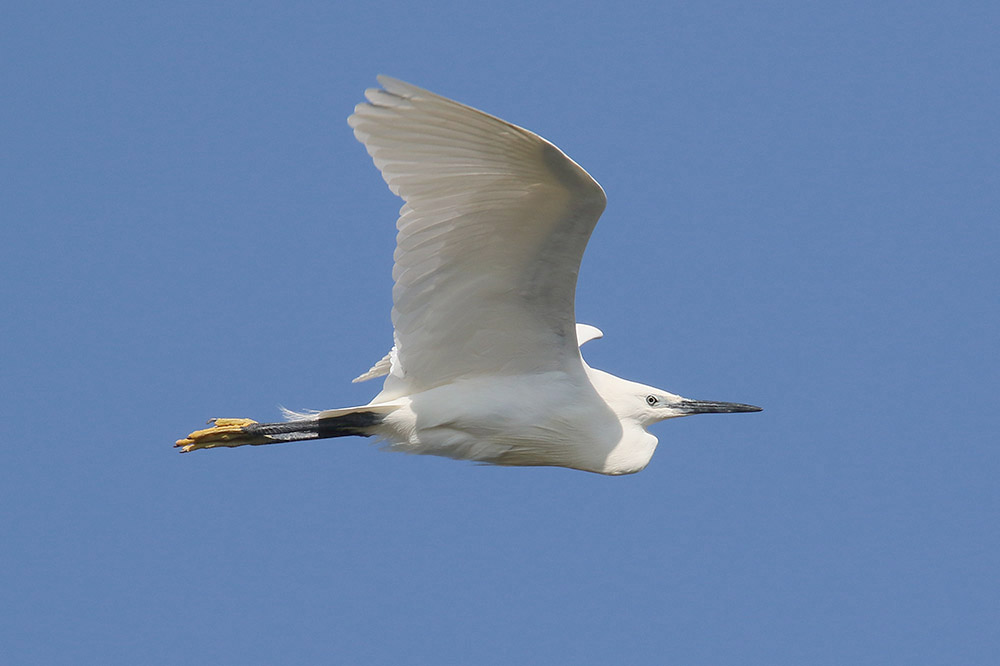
x: 486, y: 363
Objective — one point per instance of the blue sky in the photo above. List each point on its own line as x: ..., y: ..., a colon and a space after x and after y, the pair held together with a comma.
x: 803, y: 203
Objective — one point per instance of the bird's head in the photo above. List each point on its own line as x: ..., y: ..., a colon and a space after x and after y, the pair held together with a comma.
x: 647, y: 405
x: 659, y: 405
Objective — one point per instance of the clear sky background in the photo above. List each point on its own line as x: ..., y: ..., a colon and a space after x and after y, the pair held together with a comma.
x: 803, y: 208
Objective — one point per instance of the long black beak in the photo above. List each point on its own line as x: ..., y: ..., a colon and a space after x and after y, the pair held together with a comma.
x: 708, y: 407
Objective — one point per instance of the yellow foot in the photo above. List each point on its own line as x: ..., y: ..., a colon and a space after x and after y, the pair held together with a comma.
x: 224, y: 432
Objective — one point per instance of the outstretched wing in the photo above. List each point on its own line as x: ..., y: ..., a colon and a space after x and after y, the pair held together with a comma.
x: 490, y: 238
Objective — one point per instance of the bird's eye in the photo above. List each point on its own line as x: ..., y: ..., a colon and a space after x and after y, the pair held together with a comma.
x: 651, y: 400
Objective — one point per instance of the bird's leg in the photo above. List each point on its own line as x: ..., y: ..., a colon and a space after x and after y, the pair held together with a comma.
x: 242, y: 432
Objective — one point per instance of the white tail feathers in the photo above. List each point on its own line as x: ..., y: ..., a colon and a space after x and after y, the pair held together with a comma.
x: 380, y: 369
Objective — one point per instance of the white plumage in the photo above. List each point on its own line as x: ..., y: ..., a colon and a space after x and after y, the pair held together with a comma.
x: 490, y: 239
x: 486, y: 364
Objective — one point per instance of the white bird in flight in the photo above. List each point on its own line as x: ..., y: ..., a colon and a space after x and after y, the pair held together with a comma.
x: 486, y: 364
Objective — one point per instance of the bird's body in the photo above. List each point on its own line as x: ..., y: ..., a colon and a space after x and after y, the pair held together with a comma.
x: 486, y: 363
x: 555, y: 418
x: 548, y: 419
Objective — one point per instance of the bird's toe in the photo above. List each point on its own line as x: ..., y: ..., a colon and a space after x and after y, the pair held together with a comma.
x: 222, y: 432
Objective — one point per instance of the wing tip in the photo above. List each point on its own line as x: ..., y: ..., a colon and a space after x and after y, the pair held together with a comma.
x: 585, y: 333
x: 401, y: 88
